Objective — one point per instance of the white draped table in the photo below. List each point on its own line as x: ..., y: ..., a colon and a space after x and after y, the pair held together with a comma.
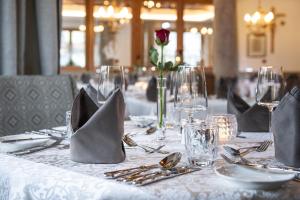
x: 50, y: 174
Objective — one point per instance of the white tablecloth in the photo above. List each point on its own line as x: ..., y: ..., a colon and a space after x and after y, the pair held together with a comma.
x: 50, y: 174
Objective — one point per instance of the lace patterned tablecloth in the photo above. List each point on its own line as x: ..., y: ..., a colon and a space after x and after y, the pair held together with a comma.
x: 50, y: 174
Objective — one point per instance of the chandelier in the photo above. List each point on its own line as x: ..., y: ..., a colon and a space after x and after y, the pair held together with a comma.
x: 259, y: 20
x: 151, y: 4
x: 114, y: 13
x: 262, y: 21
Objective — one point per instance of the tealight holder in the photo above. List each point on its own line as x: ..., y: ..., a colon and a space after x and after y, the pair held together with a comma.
x: 227, y: 125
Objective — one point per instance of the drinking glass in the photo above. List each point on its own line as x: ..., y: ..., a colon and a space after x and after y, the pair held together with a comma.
x: 68, y: 125
x: 191, y: 94
x: 269, y: 89
x: 110, y: 78
x: 201, y: 143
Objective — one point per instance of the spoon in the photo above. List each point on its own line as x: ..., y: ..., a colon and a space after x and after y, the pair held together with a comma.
x: 130, y: 142
x: 166, y: 163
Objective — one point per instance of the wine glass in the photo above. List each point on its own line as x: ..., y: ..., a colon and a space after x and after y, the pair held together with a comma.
x: 190, y: 93
x: 269, y: 89
x: 110, y: 78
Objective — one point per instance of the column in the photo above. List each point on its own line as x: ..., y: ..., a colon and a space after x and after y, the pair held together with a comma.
x: 180, y: 28
x: 136, y: 33
x: 225, y: 60
x: 89, y: 35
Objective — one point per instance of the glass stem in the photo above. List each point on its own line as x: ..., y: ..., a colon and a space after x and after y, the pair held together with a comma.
x: 270, y: 120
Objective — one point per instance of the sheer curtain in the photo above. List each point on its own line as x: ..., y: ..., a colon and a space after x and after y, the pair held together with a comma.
x: 30, y: 36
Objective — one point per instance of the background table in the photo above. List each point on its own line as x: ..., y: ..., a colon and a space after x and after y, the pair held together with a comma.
x: 52, y: 175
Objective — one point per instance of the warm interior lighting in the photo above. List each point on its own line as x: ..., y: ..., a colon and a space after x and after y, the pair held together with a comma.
x: 247, y: 17
x: 269, y: 17
x: 111, y: 12
x: 177, y: 59
x: 82, y: 27
x: 203, y: 31
x: 158, y: 5
x: 166, y: 25
x: 150, y: 4
x: 210, y: 31
x: 106, y: 2
x: 153, y: 68
x: 194, y: 30
x: 144, y: 69
x: 99, y: 28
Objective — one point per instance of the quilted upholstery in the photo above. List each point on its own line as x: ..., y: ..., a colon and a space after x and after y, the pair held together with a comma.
x: 34, y: 102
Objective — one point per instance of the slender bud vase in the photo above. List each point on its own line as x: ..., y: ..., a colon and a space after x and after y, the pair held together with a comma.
x: 161, y: 108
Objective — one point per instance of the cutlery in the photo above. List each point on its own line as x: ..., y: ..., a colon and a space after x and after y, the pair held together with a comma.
x: 261, y: 148
x: 130, y: 142
x: 165, y: 175
x: 35, y: 149
x: 151, y: 130
x: 157, y: 149
x: 167, y: 163
x: 22, y: 139
x: 247, y: 163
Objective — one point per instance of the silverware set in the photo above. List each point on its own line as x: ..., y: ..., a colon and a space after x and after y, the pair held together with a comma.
x: 147, y: 174
x: 239, y: 152
x: 56, y: 138
x: 245, y: 162
x: 131, y: 143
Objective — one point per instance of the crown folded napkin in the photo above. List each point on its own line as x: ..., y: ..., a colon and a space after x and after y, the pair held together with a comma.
x: 98, y: 130
x: 250, y: 119
x: 286, y: 129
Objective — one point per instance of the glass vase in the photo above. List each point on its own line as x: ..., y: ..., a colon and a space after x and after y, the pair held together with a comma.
x: 161, y: 108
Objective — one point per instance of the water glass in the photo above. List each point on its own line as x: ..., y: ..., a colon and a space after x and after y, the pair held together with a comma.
x: 270, y: 87
x: 190, y: 92
x: 201, y: 143
x: 110, y: 78
x: 68, y: 125
x: 227, y: 126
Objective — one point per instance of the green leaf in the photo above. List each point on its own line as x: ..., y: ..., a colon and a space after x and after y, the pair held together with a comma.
x: 153, y: 56
x: 160, y: 66
x: 168, y: 66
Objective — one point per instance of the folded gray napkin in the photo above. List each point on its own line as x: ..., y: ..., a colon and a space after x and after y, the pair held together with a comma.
x: 98, y: 130
x: 250, y: 119
x: 286, y: 129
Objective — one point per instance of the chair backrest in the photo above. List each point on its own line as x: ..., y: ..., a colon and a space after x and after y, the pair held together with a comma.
x: 34, y: 102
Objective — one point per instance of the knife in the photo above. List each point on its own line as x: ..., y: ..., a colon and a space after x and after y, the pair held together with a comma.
x: 35, y: 149
x: 165, y: 175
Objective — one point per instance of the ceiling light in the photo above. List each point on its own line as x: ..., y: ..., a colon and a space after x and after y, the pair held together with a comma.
x: 99, y: 28
x: 210, y: 31
x: 203, y: 31
x: 166, y: 25
x: 82, y: 27
x: 194, y: 30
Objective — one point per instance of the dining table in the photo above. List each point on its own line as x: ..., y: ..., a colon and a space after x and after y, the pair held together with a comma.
x: 51, y: 174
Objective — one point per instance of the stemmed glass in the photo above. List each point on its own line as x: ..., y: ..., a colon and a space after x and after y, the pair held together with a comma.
x: 190, y: 93
x: 110, y: 78
x: 269, y: 89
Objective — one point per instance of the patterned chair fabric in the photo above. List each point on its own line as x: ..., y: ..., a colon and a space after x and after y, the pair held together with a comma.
x: 34, y: 102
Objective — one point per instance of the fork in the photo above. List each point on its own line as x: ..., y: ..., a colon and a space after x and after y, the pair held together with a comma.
x: 261, y: 148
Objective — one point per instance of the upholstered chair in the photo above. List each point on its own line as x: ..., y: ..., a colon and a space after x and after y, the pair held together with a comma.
x: 34, y: 102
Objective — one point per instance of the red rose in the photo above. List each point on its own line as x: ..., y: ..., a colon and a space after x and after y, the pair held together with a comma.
x: 162, y: 37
